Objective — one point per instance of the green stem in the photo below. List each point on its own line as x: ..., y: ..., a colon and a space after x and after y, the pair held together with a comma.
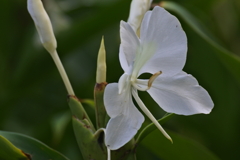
x: 101, y: 115
x: 62, y: 72
x: 126, y: 152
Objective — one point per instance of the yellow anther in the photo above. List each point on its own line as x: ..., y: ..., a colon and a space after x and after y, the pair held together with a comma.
x: 152, y: 78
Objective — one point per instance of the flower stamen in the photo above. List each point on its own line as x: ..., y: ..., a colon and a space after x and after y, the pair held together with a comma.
x: 150, y: 82
x: 149, y: 115
x: 139, y: 88
x: 152, y: 78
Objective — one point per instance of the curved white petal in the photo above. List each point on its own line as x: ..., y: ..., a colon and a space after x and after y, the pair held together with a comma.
x: 163, y: 31
x: 125, y: 118
x: 181, y: 94
x: 145, y: 23
x: 112, y: 100
x: 123, y: 128
x: 123, y: 83
x: 129, y: 44
x: 123, y: 60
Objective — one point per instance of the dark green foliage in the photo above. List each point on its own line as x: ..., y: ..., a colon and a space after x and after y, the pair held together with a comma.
x: 32, y: 92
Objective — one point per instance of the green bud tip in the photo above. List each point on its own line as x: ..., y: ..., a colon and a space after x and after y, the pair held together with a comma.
x: 101, y: 64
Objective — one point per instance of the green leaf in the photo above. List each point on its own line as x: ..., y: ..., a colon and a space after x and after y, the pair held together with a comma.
x: 126, y: 152
x: 34, y: 148
x: 78, y: 111
x: 59, y: 124
x: 181, y: 149
x: 9, y: 151
x: 228, y: 59
x: 101, y: 114
x: 90, y: 144
x: 89, y: 102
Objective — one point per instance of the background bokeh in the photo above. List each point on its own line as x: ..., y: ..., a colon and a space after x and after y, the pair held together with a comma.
x: 33, y: 97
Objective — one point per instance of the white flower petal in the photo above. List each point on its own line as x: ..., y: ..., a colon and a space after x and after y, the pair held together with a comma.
x: 181, y: 94
x: 125, y: 118
x: 164, y: 31
x: 123, y: 61
x: 123, y: 83
x: 112, y: 100
x: 145, y: 23
x: 129, y: 43
x: 122, y: 128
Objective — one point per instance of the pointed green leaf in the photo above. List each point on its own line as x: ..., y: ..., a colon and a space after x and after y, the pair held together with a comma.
x: 34, y: 148
x: 228, y: 59
x: 59, y: 124
x: 181, y: 149
x: 78, y: 111
x: 10, y: 152
x: 90, y: 144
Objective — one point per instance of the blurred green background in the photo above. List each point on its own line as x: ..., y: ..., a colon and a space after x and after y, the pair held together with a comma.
x: 33, y: 97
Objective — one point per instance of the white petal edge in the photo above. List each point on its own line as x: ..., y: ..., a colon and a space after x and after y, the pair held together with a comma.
x: 129, y: 43
x: 164, y: 31
x: 122, y: 129
x: 181, y: 94
x: 112, y: 100
x: 125, y: 118
x: 123, y: 83
x: 123, y: 61
x: 144, y: 24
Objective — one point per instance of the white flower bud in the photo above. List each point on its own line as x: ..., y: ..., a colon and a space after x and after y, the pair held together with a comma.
x: 137, y: 10
x: 43, y: 25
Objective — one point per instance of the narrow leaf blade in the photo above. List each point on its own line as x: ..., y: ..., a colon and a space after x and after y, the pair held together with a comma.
x: 181, y: 149
x: 9, y: 151
x: 34, y: 148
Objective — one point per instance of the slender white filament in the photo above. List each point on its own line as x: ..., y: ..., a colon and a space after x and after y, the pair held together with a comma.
x: 149, y: 84
x: 149, y: 114
x: 139, y: 88
x: 108, y: 154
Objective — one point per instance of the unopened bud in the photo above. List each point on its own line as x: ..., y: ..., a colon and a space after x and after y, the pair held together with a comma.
x: 43, y: 25
x: 137, y: 10
x: 101, y: 64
